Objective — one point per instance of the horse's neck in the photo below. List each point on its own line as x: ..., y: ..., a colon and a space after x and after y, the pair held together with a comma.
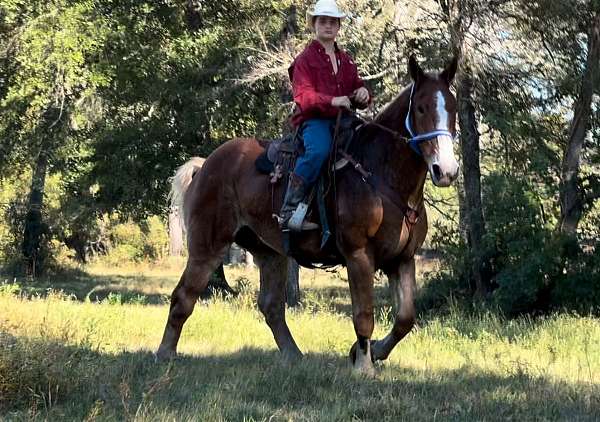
x: 395, y: 164
x: 391, y: 159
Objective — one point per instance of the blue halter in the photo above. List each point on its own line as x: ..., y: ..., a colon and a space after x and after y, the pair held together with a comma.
x: 415, y: 140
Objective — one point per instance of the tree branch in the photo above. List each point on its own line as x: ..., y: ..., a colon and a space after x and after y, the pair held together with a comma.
x: 433, y: 205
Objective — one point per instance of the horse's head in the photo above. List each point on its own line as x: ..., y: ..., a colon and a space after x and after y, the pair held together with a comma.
x: 431, y: 120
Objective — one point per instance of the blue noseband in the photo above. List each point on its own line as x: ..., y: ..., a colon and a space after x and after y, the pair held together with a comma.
x: 415, y: 140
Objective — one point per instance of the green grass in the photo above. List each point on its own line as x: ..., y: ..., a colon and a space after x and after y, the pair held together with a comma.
x: 74, y: 356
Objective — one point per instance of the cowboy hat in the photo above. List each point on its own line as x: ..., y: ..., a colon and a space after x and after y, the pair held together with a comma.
x: 324, y: 8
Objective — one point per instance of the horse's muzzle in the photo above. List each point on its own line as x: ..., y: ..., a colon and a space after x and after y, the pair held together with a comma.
x: 442, y: 178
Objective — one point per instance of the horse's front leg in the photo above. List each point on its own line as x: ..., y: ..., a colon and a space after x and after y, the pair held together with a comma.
x: 360, y: 274
x: 402, y: 289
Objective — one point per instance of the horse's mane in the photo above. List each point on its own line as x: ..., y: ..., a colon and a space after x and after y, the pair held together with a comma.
x: 392, y: 116
x: 375, y: 147
x: 393, y: 113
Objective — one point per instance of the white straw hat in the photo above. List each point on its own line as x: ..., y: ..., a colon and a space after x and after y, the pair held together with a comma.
x: 324, y: 8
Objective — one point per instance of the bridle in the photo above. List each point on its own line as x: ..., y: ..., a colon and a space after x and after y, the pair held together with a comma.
x: 415, y: 139
x: 411, y: 214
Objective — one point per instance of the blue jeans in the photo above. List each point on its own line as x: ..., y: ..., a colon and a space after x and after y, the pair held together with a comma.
x: 317, y: 143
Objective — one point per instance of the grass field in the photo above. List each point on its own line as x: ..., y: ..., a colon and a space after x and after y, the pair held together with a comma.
x: 86, y: 354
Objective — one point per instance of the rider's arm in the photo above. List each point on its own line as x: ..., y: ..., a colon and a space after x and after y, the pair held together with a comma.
x: 359, y: 83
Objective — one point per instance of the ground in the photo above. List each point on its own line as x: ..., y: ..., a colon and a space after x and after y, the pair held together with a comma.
x: 86, y: 354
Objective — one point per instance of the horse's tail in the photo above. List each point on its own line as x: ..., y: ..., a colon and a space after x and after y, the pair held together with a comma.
x: 180, y: 183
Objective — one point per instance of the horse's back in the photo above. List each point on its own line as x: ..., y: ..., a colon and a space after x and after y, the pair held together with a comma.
x: 230, y: 159
x: 227, y: 175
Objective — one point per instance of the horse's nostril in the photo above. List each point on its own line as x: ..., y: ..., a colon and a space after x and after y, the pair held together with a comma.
x: 437, y: 172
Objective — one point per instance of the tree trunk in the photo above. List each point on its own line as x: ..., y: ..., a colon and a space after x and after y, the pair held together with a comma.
x: 462, y: 211
x: 34, y: 225
x: 571, y: 195
x: 472, y: 225
x: 192, y: 15
x: 290, y: 27
x: 469, y: 147
x: 293, y: 285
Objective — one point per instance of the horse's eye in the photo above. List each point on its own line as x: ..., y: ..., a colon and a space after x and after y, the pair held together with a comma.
x: 421, y: 110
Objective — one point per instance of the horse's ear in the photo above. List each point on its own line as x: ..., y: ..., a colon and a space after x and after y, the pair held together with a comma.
x: 415, y: 71
x: 450, y: 70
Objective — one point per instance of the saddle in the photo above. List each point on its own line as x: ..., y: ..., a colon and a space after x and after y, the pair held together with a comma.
x: 279, y: 160
x: 280, y: 155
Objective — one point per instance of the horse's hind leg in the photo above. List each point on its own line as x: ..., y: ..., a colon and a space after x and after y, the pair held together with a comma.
x: 192, y: 283
x: 271, y: 301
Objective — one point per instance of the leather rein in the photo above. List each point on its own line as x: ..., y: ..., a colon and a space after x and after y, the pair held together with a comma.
x: 411, y: 215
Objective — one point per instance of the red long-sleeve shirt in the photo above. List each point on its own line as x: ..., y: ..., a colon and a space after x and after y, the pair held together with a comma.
x: 314, y: 83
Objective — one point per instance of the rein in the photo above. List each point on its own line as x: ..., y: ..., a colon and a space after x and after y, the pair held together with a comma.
x: 411, y: 215
x: 415, y: 139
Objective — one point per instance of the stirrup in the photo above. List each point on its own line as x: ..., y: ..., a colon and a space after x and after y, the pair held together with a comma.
x: 296, y: 222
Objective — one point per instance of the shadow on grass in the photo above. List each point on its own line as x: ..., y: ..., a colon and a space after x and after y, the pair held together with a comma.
x: 85, y: 286
x: 155, y: 290
x: 337, y: 298
x: 252, y: 384
x: 135, y: 289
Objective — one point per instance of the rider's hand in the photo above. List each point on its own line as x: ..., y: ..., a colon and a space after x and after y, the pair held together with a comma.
x: 341, y: 102
x: 361, y: 95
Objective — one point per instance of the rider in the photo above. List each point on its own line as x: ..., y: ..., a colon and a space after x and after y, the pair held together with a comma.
x: 323, y: 77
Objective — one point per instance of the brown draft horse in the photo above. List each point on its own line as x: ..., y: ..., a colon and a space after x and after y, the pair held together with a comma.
x: 229, y: 200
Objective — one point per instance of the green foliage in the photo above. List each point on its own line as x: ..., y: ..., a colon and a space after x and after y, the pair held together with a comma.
x: 534, y: 269
x: 54, y: 48
x: 156, y: 238
x: 132, y: 242
x: 531, y: 268
x: 10, y: 219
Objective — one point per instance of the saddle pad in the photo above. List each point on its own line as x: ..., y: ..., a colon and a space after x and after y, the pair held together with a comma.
x: 263, y: 164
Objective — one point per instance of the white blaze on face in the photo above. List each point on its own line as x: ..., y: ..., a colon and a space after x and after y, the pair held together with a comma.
x: 442, y: 114
x: 444, y: 159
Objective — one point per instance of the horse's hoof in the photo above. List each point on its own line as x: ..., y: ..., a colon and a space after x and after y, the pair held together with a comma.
x: 362, y: 367
x: 352, y: 353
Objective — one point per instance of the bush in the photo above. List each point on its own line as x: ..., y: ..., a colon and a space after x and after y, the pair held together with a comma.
x: 129, y: 234
x: 156, y: 238
x: 122, y: 254
x: 131, y: 242
x: 531, y: 268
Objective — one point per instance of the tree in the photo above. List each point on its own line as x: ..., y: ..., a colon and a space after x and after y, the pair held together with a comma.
x: 52, y: 75
x: 572, y: 196
x: 461, y: 16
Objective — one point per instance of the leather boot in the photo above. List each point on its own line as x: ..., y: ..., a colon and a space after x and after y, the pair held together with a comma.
x: 296, y: 191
